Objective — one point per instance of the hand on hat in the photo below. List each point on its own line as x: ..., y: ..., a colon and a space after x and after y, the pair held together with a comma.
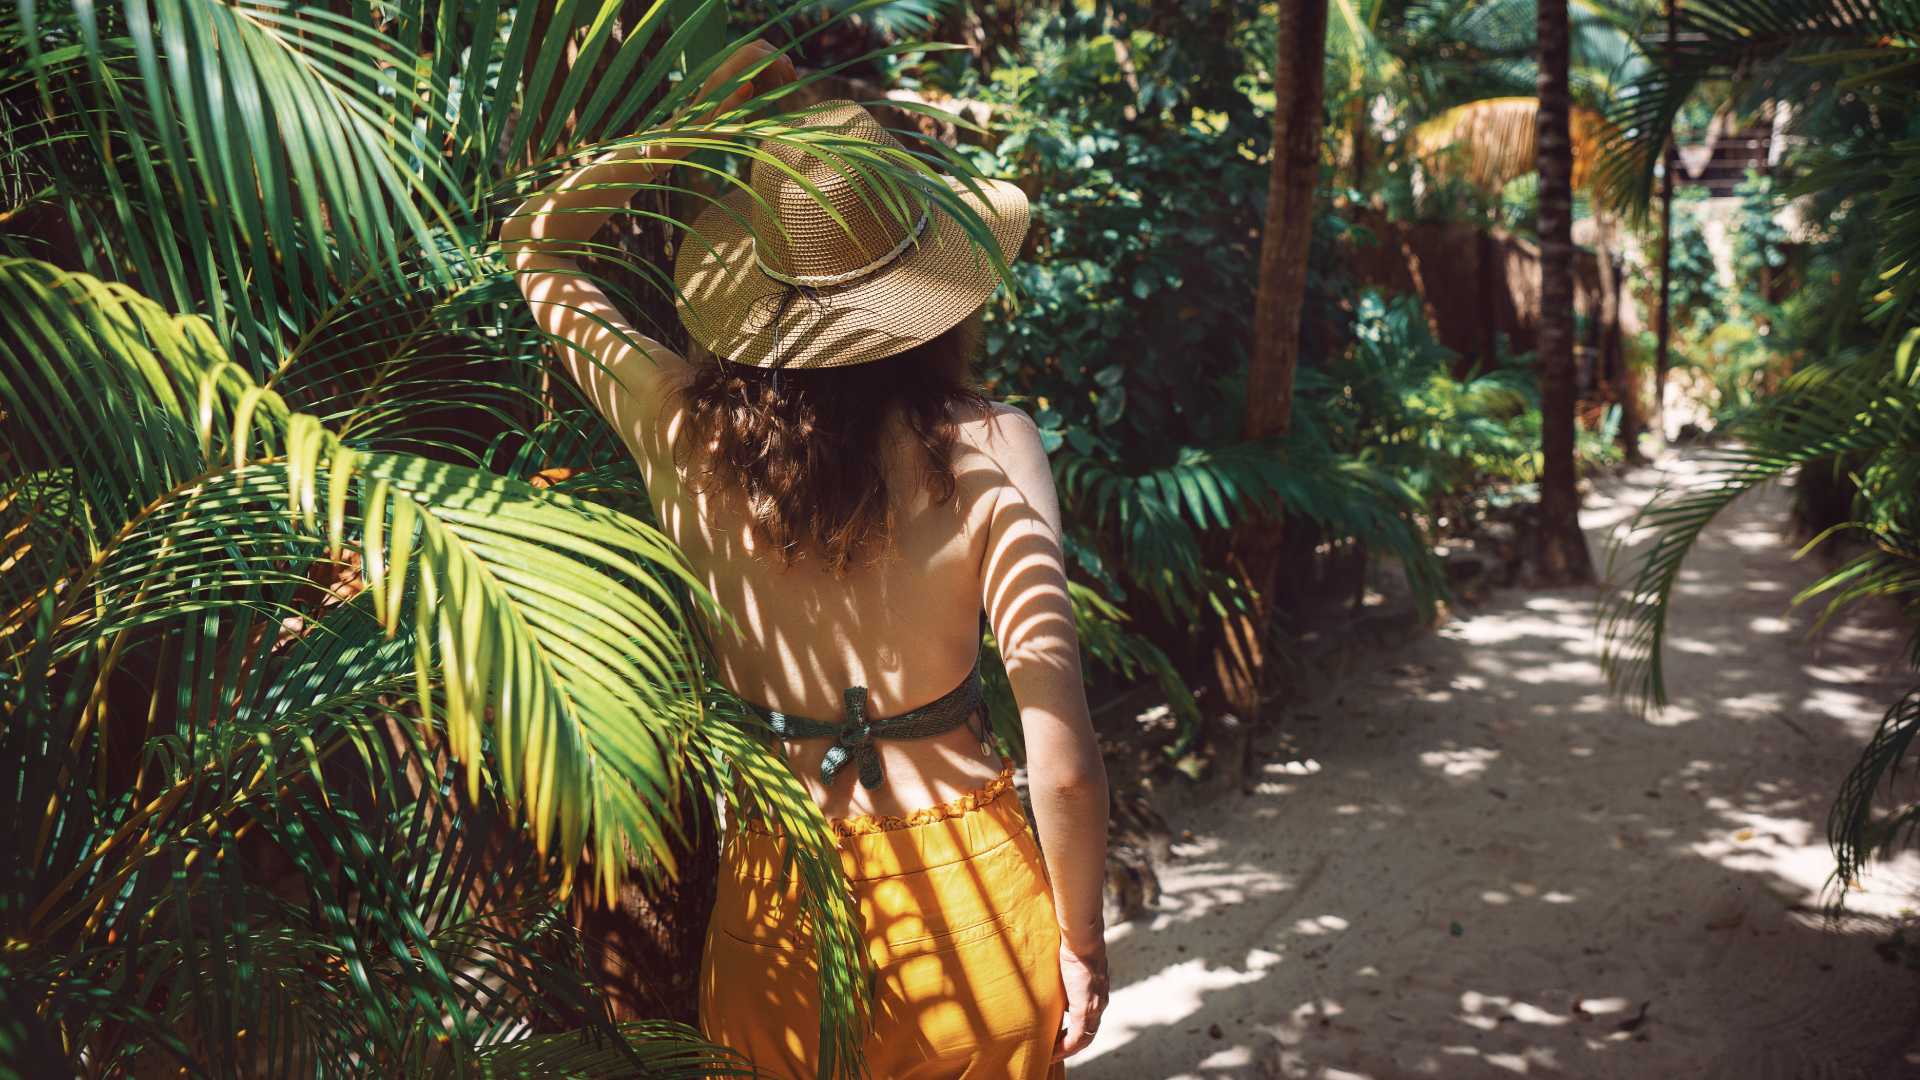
x: 778, y: 73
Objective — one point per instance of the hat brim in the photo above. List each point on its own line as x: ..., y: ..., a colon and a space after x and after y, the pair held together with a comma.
x: 729, y: 305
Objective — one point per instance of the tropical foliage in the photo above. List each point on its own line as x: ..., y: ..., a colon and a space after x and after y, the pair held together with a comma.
x: 1138, y: 131
x: 1846, y: 422
x: 293, y: 659
x: 1696, y: 287
x: 337, y: 633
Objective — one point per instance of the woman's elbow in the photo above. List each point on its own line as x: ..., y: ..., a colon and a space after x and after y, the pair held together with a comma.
x: 1084, y: 781
x: 516, y: 229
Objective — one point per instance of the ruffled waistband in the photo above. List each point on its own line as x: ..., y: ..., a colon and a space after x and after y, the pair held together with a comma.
x: 878, y: 846
x: 868, y: 824
x: 982, y: 796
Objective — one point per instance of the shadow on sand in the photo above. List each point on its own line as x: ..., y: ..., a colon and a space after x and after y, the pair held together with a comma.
x: 1493, y: 868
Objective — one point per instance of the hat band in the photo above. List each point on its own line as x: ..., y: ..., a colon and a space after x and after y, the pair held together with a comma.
x: 900, y: 248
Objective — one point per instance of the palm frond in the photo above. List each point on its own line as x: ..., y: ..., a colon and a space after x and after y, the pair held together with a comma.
x: 653, y: 1048
x: 1824, y: 412
x: 283, y: 119
x: 1855, y: 832
x: 1160, y: 514
x: 1491, y: 142
x: 1759, y: 46
x: 550, y: 622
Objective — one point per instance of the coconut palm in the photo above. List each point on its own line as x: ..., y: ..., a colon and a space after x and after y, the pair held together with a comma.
x: 340, y: 657
x: 1561, y: 548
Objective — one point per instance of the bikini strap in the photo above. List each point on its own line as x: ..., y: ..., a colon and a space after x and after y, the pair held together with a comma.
x: 853, y: 736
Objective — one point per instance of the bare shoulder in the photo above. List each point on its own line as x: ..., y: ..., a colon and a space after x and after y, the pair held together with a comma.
x: 1009, y: 465
x: 1004, y: 434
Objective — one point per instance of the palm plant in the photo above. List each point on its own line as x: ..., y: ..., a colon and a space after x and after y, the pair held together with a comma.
x: 236, y: 823
x: 1396, y: 405
x: 1153, y: 522
x: 1141, y: 403
x: 1458, y: 77
x: 326, y: 701
x: 1865, y: 412
x: 1854, y: 407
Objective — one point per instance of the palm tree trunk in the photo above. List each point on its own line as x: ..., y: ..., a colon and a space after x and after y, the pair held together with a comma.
x: 1617, y: 373
x: 1561, y: 548
x: 1664, y: 324
x: 1299, y: 92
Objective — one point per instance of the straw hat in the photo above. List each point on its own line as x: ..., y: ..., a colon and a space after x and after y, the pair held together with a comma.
x: 812, y: 293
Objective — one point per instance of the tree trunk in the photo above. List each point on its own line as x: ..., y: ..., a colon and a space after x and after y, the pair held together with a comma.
x: 1561, y: 556
x: 1613, y: 354
x: 1663, y: 326
x: 1357, y: 130
x: 1239, y: 655
x: 644, y: 949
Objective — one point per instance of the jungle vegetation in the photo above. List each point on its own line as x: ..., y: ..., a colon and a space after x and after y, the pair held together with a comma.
x: 348, y: 678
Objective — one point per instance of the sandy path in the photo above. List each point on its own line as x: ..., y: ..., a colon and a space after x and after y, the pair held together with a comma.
x: 1496, y: 865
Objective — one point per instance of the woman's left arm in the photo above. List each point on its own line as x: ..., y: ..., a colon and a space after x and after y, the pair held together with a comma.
x: 622, y: 370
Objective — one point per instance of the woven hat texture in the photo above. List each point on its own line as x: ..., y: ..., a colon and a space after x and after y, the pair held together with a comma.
x: 768, y: 278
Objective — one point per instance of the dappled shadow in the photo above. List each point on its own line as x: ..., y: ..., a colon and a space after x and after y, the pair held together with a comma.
x: 907, y: 628
x: 1492, y: 868
x: 957, y: 924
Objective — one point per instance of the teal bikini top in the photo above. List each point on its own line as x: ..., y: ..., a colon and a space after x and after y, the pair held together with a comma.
x: 853, y: 736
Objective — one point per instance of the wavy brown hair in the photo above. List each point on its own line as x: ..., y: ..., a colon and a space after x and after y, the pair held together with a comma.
x: 806, y: 446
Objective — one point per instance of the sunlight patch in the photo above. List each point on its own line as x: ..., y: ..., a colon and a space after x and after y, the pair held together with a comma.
x: 1471, y: 761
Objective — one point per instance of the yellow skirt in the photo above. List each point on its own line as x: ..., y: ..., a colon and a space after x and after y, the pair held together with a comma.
x: 960, y: 926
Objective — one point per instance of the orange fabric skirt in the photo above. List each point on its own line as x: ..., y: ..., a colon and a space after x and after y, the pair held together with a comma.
x: 959, y: 924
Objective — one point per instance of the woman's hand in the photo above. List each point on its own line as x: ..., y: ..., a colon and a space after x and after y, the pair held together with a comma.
x: 1085, y: 976
x: 778, y: 73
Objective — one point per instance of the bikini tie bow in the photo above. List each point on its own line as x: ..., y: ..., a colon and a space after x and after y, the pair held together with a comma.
x: 853, y: 736
x: 853, y: 742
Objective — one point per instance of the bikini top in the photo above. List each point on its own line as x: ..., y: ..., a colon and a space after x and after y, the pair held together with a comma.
x: 853, y: 736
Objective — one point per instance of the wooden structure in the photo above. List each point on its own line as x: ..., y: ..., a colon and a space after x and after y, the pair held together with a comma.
x: 1721, y: 161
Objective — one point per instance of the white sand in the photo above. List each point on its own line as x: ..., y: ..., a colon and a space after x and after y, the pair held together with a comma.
x: 1496, y: 864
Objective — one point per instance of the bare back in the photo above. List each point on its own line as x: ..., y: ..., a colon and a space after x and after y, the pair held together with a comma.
x: 906, y: 627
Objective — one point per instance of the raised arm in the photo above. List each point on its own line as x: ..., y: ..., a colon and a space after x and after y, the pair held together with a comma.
x: 1025, y: 592
x: 623, y: 371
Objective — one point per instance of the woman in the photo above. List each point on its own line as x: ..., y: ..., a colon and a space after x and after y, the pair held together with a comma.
x: 855, y: 507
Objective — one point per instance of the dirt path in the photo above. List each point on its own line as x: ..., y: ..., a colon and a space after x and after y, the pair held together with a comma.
x: 1497, y: 870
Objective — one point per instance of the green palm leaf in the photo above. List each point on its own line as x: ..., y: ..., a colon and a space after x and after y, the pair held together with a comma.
x: 1825, y: 412
x: 1768, y: 49
x: 552, y: 618
x: 267, y: 131
x: 552, y: 627
x: 1855, y: 832
x: 1160, y: 514
x: 262, y: 522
